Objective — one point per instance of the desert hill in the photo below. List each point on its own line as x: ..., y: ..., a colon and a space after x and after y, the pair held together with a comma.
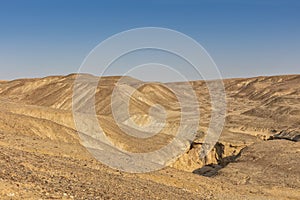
x: 256, y: 157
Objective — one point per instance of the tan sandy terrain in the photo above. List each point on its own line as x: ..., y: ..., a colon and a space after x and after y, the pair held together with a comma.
x: 257, y: 155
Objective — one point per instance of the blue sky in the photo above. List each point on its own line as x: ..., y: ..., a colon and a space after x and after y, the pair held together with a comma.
x: 245, y: 38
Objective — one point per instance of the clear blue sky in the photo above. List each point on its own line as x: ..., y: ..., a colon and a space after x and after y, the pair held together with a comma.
x: 245, y: 38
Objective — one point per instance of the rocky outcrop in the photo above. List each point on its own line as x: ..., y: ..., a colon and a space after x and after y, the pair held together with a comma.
x: 292, y: 135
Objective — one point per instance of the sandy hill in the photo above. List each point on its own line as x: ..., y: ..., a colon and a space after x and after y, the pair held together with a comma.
x: 256, y: 157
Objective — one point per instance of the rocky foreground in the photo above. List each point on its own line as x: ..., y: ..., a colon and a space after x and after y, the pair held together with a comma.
x: 256, y: 157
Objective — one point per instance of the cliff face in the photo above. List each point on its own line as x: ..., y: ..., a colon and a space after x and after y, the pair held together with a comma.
x: 42, y: 155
